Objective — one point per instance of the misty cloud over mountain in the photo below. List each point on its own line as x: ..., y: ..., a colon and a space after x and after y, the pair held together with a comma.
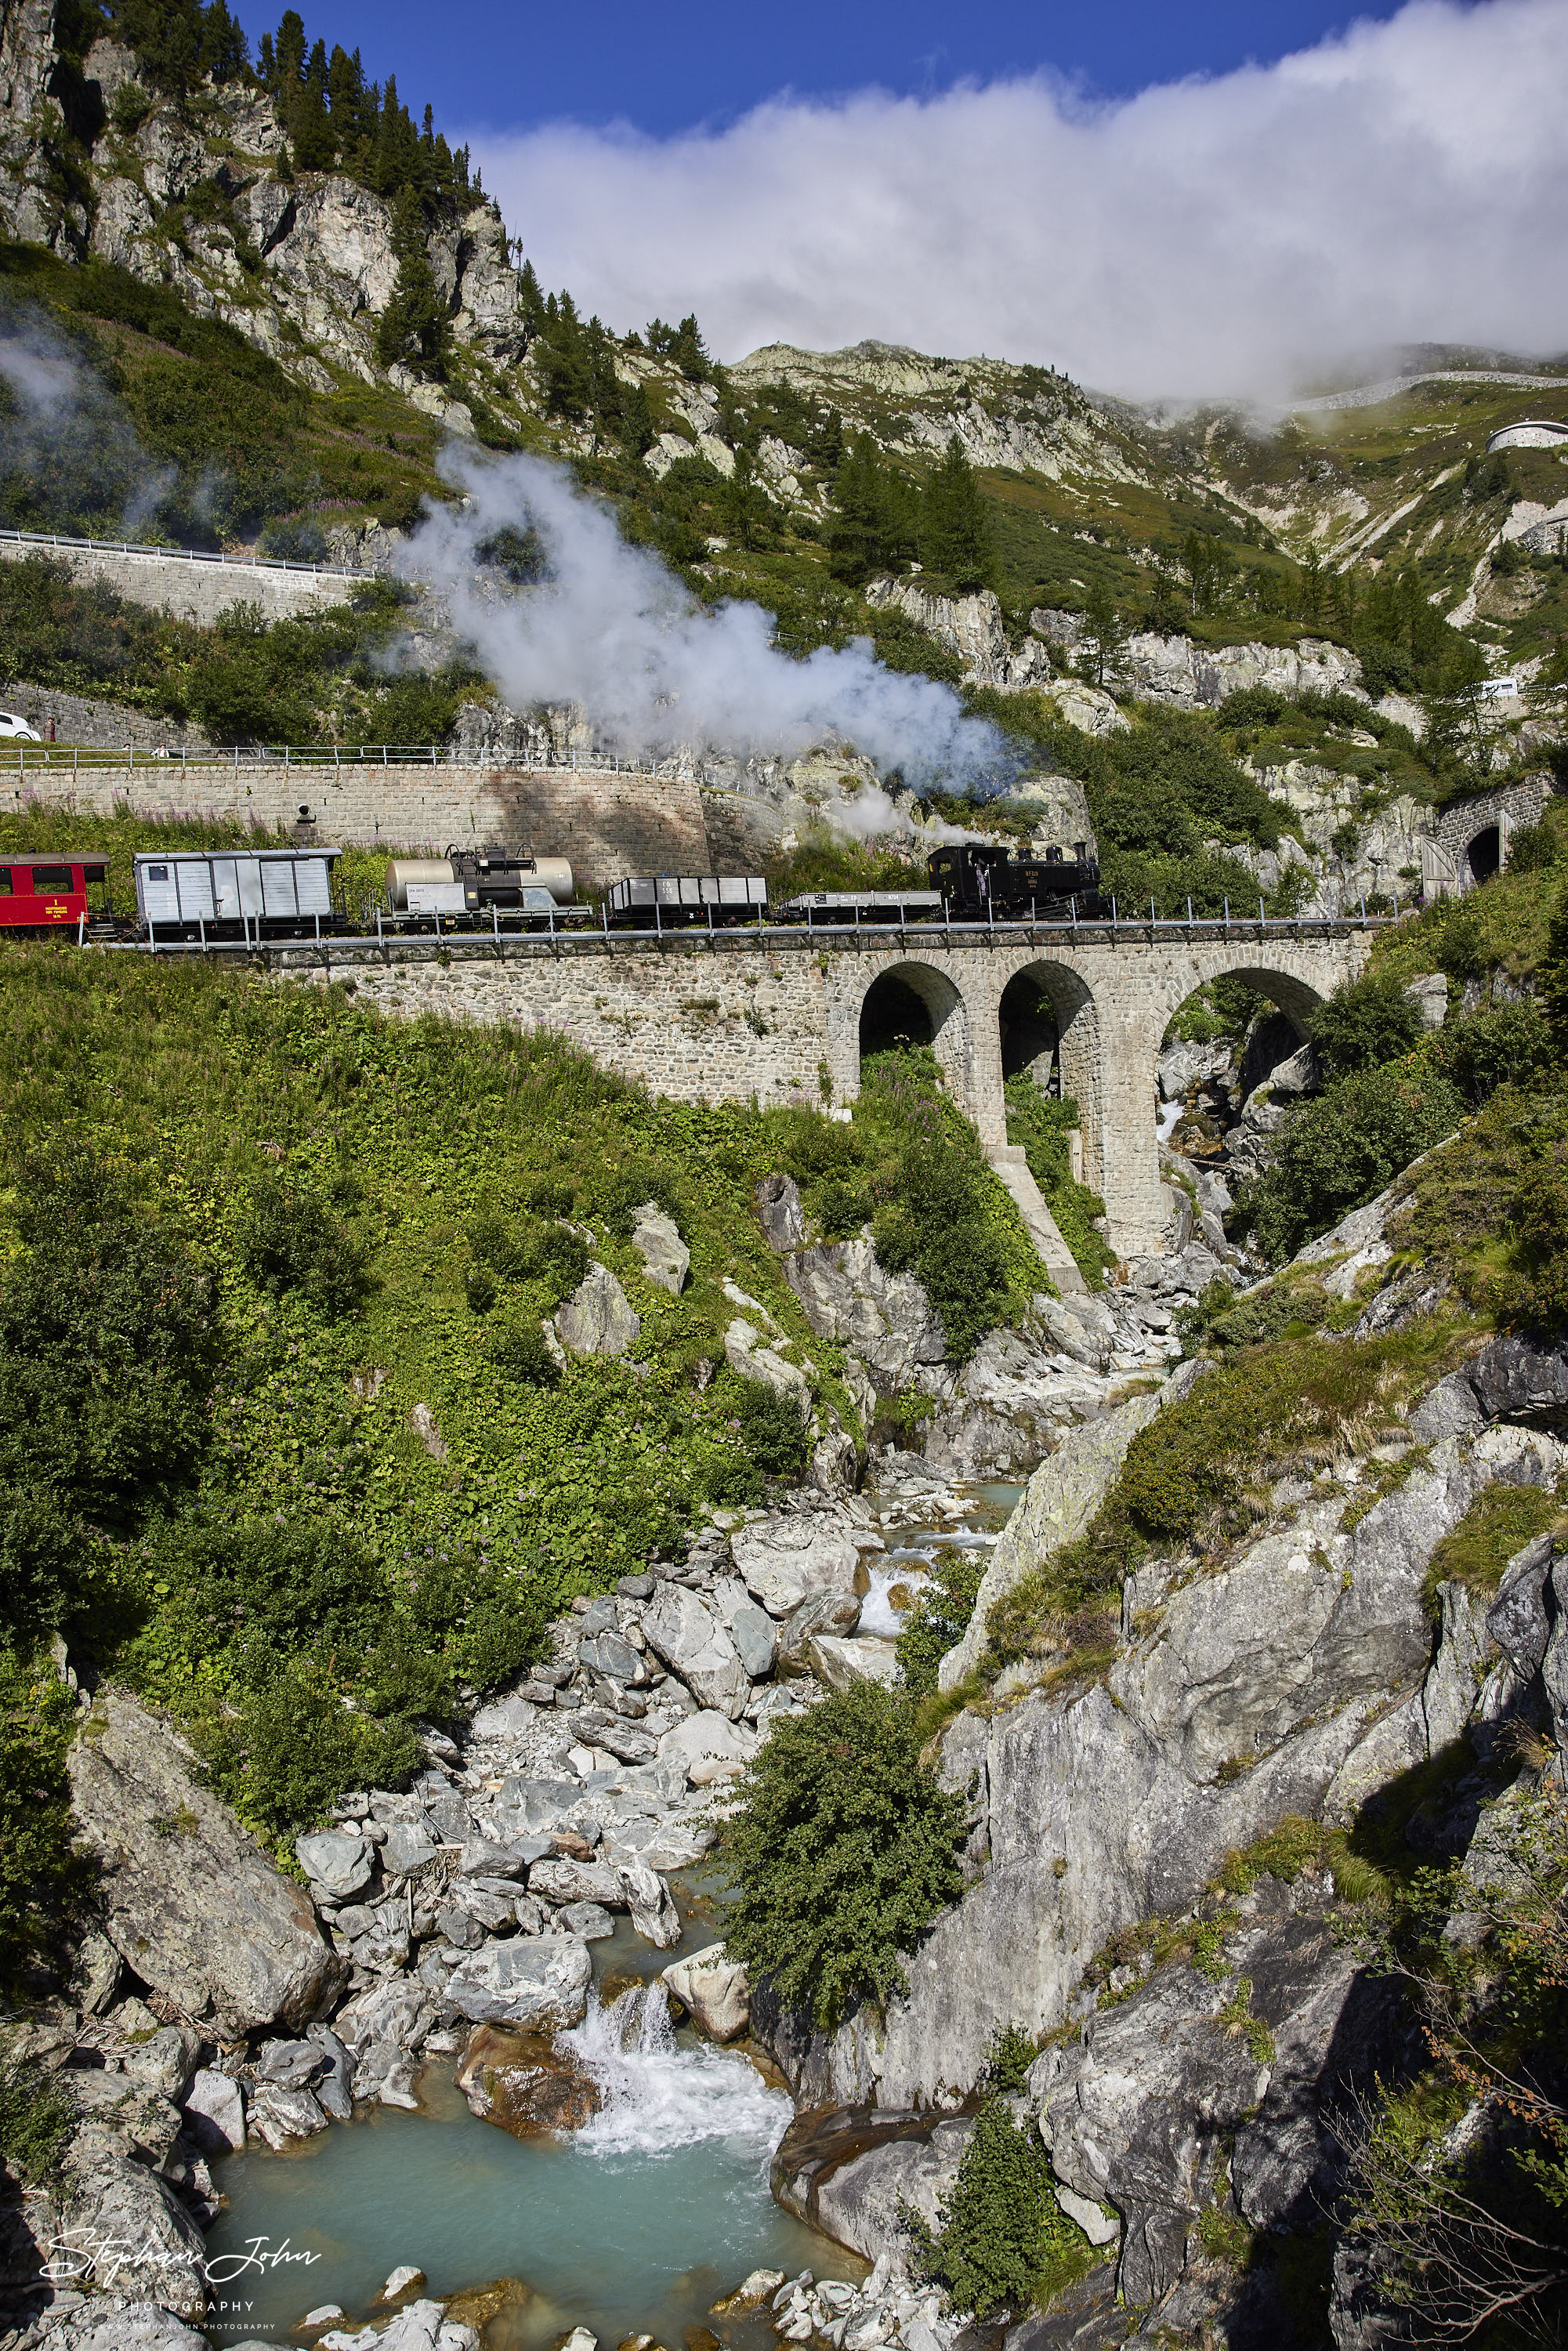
x: 1406, y: 182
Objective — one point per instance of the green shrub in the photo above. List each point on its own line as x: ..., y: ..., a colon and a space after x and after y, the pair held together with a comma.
x: 940, y: 1616
x: 254, y: 1590
x: 44, y: 1876
x: 1009, y: 2053
x: 1001, y: 2240
x: 1042, y: 1125
x: 36, y: 2123
x: 106, y: 1345
x: 841, y: 1851
x: 1365, y: 1022
x: 289, y: 1750
x: 938, y: 1228
x: 1337, y: 1153
x: 290, y: 1240
x: 1508, y: 1045
x: 1220, y: 1320
x: 516, y: 1347
x: 770, y: 1429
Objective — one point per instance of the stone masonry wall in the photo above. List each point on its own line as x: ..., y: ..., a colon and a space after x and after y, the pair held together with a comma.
x: 697, y: 1027
x: 606, y: 824
x: 88, y: 719
x: 780, y: 1020
x: 196, y: 591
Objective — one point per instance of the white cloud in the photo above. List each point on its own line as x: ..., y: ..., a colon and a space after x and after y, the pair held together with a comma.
x: 1407, y: 182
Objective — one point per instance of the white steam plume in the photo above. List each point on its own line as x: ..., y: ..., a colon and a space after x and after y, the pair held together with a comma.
x: 1401, y: 182
x: 611, y: 627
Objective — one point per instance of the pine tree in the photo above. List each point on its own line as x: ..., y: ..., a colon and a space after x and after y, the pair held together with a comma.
x: 561, y: 350
x: 315, y: 147
x: 871, y: 526
x: 687, y: 351
x: 956, y: 527
x: 414, y: 328
x: 530, y: 302
x: 744, y: 507
x: 637, y: 435
x: 1105, y: 629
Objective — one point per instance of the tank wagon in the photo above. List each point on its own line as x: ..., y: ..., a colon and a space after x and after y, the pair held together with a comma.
x: 477, y: 881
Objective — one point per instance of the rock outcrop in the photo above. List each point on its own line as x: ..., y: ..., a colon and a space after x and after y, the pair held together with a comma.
x: 1238, y: 1696
x: 193, y: 1905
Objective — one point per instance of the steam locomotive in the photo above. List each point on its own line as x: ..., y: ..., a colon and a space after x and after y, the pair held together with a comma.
x: 242, y: 897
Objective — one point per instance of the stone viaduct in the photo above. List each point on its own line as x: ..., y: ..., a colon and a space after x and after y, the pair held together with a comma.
x: 779, y: 1016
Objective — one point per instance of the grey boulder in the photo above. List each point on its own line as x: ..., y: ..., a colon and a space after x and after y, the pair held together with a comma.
x: 781, y: 1562
x: 1514, y: 1376
x: 408, y: 1846
x: 538, y: 1981
x: 202, y: 1915
x: 693, y: 1644
x: 215, y: 2113
x: 337, y: 1864
x: 575, y: 1881
x: 598, y: 1317
x: 666, y: 1259
x: 782, y: 1216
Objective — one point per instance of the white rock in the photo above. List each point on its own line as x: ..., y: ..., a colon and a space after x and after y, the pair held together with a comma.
x: 399, y: 2283
x: 715, y: 1991
x: 707, y: 1735
x: 665, y: 1258
x: 840, y: 1664
x: 540, y: 1981
x: 781, y: 1561
x: 215, y: 2111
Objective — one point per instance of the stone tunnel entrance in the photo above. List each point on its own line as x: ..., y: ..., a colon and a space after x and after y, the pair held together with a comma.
x: 1483, y: 858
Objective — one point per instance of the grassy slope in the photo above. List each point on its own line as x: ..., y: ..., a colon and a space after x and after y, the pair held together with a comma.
x: 200, y: 1089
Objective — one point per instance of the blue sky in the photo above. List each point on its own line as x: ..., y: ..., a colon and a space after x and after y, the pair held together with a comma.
x: 664, y: 69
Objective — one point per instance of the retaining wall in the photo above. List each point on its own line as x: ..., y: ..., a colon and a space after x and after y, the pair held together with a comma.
x: 190, y: 590
x: 606, y: 823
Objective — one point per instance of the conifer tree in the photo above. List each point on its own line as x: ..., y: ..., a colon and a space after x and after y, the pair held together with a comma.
x: 870, y: 526
x: 414, y: 328
x: 955, y: 526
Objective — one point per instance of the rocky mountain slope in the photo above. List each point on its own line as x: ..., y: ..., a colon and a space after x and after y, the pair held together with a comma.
x: 260, y: 201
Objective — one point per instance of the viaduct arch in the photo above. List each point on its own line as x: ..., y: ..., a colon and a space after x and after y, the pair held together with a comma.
x: 1113, y: 1002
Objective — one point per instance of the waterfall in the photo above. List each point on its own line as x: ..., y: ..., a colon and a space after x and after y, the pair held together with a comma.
x: 659, y: 2096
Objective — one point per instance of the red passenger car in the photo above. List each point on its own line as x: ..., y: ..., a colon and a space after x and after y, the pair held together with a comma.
x: 48, y: 894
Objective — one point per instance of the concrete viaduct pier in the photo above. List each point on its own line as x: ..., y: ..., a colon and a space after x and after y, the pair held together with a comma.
x: 778, y: 1012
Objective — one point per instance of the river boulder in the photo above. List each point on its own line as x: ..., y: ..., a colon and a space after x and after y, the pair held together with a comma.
x: 781, y: 1562
x: 538, y: 1981
x: 192, y: 1905
x: 714, y: 1987
x: 525, y: 2082
x: 692, y: 1642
